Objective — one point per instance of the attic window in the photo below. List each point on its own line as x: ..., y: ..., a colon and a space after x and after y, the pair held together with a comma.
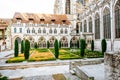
x: 63, y: 21
x: 31, y: 19
x: 42, y: 20
x: 53, y: 20
x: 18, y: 18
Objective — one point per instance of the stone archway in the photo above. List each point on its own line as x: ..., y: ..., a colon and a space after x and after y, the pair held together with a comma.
x: 41, y: 42
x: 51, y: 41
x: 64, y: 42
x: 32, y: 41
x: 73, y: 42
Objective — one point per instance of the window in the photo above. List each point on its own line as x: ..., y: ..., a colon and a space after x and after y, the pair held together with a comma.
x: 33, y: 30
x: 28, y: 30
x: 97, y: 26
x: 67, y: 6
x: 117, y: 19
x: 85, y: 26
x: 66, y: 31
x: 90, y: 25
x: 77, y: 28
x: 81, y: 27
x: 50, y: 31
x: 106, y: 24
x: 61, y: 31
x: 55, y: 31
x: 15, y: 30
x: 44, y: 30
x: 20, y: 30
x: 39, y: 30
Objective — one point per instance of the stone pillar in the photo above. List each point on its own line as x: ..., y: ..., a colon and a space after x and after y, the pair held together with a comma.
x: 112, y: 66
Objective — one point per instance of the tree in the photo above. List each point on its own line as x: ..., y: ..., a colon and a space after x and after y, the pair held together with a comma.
x: 16, y: 48
x: 26, y: 49
x: 56, y: 47
x: 103, y: 45
x: 22, y: 46
x: 35, y: 45
x: 48, y: 44
x: 83, y: 46
x: 59, y: 44
x: 92, y: 45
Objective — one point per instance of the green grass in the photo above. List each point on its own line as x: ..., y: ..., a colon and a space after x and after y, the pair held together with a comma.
x: 67, y: 53
x: 41, y: 49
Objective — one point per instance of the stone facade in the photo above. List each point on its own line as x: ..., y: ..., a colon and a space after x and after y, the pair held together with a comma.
x: 86, y: 13
x: 112, y: 66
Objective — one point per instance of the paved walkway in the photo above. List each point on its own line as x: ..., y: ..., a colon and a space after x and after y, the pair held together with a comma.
x: 40, y: 73
x: 5, y: 55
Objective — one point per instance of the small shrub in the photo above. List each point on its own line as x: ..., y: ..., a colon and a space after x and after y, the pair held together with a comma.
x: 3, y: 78
x: 56, y: 47
x: 83, y: 46
x: 35, y: 45
x: 92, y: 45
x: 48, y: 44
x: 27, y: 49
x: 22, y: 46
x: 16, y: 48
x: 103, y: 45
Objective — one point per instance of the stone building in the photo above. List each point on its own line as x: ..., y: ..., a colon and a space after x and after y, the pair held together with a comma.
x: 4, y: 38
x: 94, y: 19
x: 41, y: 28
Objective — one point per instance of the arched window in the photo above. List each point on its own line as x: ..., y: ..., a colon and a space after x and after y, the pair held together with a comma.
x: 55, y: 31
x: 28, y: 30
x: 63, y: 42
x: 81, y: 27
x: 33, y: 30
x: 73, y: 42
x: 51, y: 41
x: 90, y: 25
x: 44, y: 30
x: 41, y: 42
x: 67, y: 7
x: 66, y: 31
x: 50, y: 31
x: 39, y: 30
x: 61, y: 31
x: 117, y: 19
x: 15, y: 30
x: 106, y: 24
x: 97, y: 26
x: 77, y: 28
x: 85, y: 26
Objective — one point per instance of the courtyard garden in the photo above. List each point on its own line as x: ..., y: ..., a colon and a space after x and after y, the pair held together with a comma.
x: 46, y: 54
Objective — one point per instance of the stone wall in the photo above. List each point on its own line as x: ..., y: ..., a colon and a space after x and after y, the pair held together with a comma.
x: 112, y: 66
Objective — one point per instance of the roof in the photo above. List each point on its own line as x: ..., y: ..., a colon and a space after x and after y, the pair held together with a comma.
x: 4, y: 23
x: 26, y: 17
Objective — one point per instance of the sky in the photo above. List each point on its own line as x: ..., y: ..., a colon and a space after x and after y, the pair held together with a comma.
x: 9, y: 7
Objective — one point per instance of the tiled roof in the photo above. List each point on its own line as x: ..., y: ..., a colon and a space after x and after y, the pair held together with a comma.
x: 26, y: 17
x: 4, y: 22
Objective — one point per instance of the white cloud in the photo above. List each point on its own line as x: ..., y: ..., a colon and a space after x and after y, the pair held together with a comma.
x: 9, y: 7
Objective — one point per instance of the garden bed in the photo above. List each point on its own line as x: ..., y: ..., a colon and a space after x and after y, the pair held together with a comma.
x: 35, y: 55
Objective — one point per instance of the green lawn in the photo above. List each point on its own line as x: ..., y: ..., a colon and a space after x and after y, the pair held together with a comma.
x: 64, y: 54
x: 67, y: 53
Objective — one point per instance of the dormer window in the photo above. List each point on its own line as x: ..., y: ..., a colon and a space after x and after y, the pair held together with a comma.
x: 53, y: 21
x: 31, y: 20
x: 63, y: 21
x: 18, y: 20
x: 42, y: 21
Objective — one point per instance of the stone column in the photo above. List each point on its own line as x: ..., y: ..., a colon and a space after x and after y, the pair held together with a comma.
x: 112, y: 66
